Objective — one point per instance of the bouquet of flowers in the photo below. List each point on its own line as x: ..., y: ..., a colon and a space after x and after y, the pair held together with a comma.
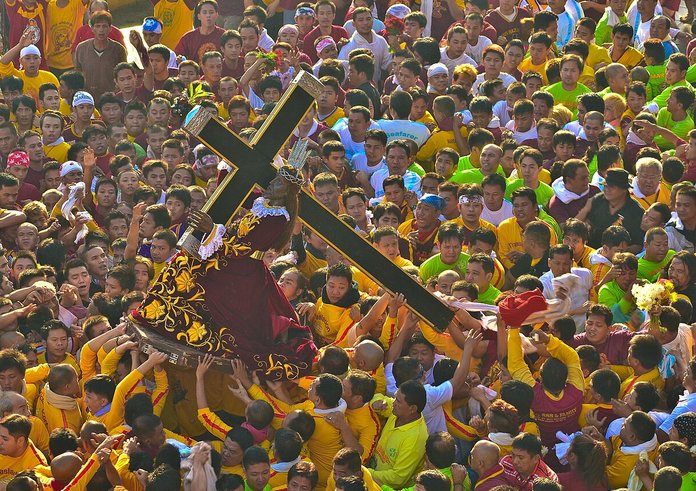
x: 394, y: 26
x: 272, y: 60
x: 649, y: 296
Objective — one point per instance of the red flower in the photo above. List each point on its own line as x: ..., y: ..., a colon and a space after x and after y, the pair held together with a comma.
x: 394, y: 26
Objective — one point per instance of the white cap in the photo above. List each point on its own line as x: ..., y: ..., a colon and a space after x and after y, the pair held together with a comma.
x: 437, y: 68
x: 82, y: 97
x: 69, y: 166
x: 29, y: 50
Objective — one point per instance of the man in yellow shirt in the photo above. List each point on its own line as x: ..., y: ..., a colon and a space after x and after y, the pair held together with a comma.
x: 57, y: 405
x: 64, y: 18
x: 637, y: 435
x: 644, y: 355
x: 539, y: 49
x: 17, y: 452
x: 105, y: 400
x: 30, y: 58
x: 525, y: 210
x: 54, y: 145
x: 332, y: 311
x: 400, y: 452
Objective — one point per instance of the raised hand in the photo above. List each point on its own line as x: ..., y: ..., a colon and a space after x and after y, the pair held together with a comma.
x: 204, y: 365
x: 201, y: 221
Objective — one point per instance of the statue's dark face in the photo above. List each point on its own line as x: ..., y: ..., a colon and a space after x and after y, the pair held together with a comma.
x: 277, y: 189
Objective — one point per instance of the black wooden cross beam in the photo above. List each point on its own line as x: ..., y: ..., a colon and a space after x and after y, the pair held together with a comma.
x: 252, y: 163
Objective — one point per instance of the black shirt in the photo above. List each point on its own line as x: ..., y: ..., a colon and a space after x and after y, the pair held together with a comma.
x: 600, y: 219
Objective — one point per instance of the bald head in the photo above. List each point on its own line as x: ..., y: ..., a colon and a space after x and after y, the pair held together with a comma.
x: 87, y: 432
x: 368, y: 355
x: 13, y: 403
x: 65, y: 466
x: 11, y: 340
x: 484, y: 455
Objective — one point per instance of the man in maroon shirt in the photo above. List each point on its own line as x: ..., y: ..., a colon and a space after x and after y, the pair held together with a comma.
x: 18, y: 166
x: 524, y: 465
x: 85, y: 32
x: 598, y: 333
x: 127, y: 84
x: 326, y: 14
x: 231, y: 49
x: 572, y: 191
x: 157, y: 70
x: 204, y: 38
x: 507, y: 20
x: 30, y: 142
x: 483, y: 460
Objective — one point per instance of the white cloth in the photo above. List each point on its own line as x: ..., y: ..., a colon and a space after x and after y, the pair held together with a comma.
x: 495, y: 217
x: 563, y: 194
x: 614, y: 427
x: 427, y: 9
x: 452, y: 63
x: 502, y: 111
x: 520, y: 136
x: 379, y: 48
x: 476, y: 51
x: 579, y: 292
x: 265, y: 41
x: 208, y: 472
x: 359, y: 164
x: 506, y: 78
x: 397, y: 129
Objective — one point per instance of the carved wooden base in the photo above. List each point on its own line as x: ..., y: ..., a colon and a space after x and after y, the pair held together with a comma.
x: 179, y: 354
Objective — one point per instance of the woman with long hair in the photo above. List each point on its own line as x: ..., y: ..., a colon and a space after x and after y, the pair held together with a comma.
x: 227, y: 303
x: 588, y: 466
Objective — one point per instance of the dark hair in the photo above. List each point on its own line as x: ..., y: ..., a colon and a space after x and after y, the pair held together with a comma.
x: 305, y: 469
x: 606, y: 383
x: 434, y: 480
x: 647, y: 396
x: 255, y: 455
x: 520, y: 395
x: 329, y: 389
x: 527, y: 442
x: 414, y: 394
x: 646, y: 349
x: 62, y: 440
x: 351, y: 483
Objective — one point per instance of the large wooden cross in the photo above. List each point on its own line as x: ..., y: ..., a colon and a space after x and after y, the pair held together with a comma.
x: 252, y: 164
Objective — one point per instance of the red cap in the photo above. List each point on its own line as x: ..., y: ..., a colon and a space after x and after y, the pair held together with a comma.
x: 515, y: 309
x: 18, y: 158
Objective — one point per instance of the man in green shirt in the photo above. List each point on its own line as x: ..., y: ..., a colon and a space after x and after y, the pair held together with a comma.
x: 614, y: 14
x: 566, y: 91
x: 657, y: 254
x: 675, y: 117
x: 675, y: 76
x: 480, y: 272
x: 490, y: 164
x: 531, y: 162
x: 450, y: 237
x: 616, y: 294
x: 257, y: 467
x: 478, y: 138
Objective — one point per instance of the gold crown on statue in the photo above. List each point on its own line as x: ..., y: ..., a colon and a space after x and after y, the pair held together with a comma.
x: 296, y: 160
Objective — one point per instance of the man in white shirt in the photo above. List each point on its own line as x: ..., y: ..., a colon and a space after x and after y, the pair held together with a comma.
x: 495, y: 207
x: 454, y: 54
x: 560, y: 263
x: 399, y: 126
x: 398, y: 160
x: 365, y: 37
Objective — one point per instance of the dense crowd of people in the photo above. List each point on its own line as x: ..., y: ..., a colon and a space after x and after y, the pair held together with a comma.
x: 511, y: 155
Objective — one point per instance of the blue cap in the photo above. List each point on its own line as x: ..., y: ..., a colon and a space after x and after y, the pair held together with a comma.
x: 433, y: 200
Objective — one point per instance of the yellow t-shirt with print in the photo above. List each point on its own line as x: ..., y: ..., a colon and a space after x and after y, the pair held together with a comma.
x: 63, y: 23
